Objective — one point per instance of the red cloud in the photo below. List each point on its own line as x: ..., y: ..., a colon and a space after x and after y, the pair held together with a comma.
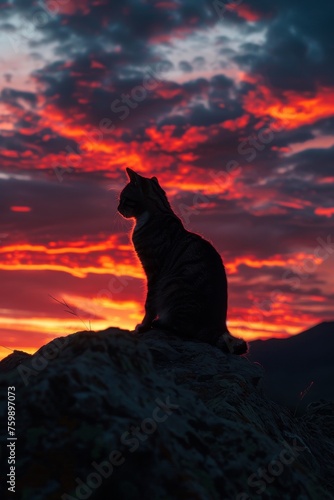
x: 236, y: 124
x: 245, y: 12
x: 327, y: 212
x: 292, y: 109
x: 20, y: 209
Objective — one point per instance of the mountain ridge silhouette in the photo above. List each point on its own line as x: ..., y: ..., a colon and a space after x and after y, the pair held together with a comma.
x: 292, y: 363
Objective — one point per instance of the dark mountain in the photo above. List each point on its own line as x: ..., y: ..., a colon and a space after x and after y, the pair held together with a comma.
x: 291, y: 364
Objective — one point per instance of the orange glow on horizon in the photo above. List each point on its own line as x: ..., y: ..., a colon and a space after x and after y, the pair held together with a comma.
x: 6, y: 351
x: 55, y: 327
x: 79, y: 247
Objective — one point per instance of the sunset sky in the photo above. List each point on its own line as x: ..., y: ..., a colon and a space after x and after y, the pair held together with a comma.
x: 232, y: 108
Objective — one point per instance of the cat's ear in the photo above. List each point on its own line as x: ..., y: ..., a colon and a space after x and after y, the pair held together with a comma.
x: 131, y: 174
x: 156, y: 182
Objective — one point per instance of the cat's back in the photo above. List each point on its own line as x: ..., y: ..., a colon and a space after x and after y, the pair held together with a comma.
x: 196, y: 247
x: 196, y: 266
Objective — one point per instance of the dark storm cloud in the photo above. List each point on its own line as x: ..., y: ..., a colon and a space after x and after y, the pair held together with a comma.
x: 86, y: 87
x: 12, y: 97
x: 326, y: 126
x: 71, y: 88
x: 304, y: 180
x: 220, y: 106
x: 286, y: 137
x: 198, y: 62
x: 298, y: 51
x: 317, y: 162
x: 41, y: 143
x: 124, y: 23
x: 185, y: 66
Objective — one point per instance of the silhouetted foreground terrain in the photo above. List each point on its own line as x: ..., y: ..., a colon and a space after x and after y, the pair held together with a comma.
x: 114, y: 416
x: 291, y: 364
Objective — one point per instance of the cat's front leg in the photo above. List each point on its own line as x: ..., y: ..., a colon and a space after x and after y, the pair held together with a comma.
x: 146, y: 324
x: 150, y: 313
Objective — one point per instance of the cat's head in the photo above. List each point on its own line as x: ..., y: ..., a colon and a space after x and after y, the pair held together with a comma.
x: 140, y: 195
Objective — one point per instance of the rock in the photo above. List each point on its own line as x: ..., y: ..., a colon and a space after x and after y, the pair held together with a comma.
x: 13, y: 360
x: 116, y: 415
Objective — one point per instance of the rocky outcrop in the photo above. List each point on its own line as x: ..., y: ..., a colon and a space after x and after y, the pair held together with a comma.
x: 13, y: 360
x: 113, y: 415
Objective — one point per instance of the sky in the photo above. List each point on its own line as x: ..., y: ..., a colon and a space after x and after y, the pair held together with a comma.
x: 230, y: 105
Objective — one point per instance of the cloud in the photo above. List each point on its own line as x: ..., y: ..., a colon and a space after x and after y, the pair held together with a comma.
x: 297, y: 53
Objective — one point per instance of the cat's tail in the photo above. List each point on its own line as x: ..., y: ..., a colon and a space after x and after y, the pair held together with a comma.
x: 233, y: 345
